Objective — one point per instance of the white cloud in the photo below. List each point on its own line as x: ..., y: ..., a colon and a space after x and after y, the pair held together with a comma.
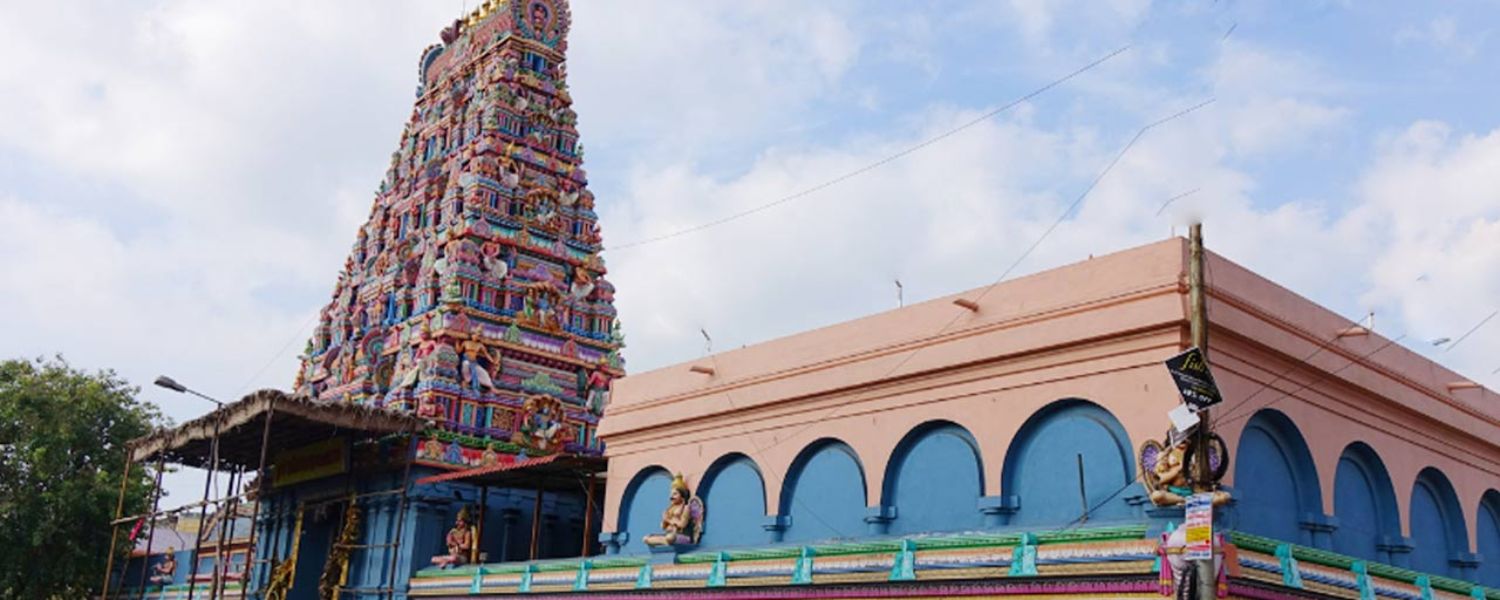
x: 1441, y: 33
x: 227, y: 153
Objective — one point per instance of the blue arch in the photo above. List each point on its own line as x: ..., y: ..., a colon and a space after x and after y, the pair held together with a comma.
x: 824, y: 493
x: 1364, y: 501
x: 734, y: 494
x: 641, y: 507
x: 1042, y: 465
x: 1437, y: 524
x: 1488, y: 541
x: 934, y: 480
x: 1274, y: 479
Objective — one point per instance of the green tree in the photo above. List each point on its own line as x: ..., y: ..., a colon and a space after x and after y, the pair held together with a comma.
x: 63, y: 435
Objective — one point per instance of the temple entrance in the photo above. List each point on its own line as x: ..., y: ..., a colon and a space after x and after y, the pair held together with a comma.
x: 318, y: 533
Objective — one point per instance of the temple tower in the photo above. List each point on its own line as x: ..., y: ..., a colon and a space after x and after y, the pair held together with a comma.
x: 475, y: 295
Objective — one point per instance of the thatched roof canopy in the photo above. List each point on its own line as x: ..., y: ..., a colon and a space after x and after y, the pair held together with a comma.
x: 295, y: 422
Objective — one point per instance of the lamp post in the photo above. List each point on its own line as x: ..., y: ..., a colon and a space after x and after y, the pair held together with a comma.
x: 171, y: 384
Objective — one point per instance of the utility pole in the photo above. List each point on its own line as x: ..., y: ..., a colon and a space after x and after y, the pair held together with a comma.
x: 1198, y: 327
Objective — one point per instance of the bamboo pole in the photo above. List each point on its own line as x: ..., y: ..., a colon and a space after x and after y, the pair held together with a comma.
x: 114, y: 531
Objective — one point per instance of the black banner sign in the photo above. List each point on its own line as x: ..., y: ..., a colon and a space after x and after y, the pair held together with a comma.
x: 1190, y: 372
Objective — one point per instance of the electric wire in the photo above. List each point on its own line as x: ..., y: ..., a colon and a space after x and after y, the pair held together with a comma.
x: 1034, y: 245
x: 878, y: 163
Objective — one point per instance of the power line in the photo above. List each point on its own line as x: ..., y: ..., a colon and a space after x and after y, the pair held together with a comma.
x: 1470, y: 332
x: 879, y: 163
x: 1006, y: 273
x: 1316, y: 381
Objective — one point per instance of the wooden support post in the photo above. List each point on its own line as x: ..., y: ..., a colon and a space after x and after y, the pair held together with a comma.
x: 1198, y: 327
x: 114, y: 530
x: 228, y: 512
x: 410, y: 454
x: 588, y: 514
x: 161, y: 465
x: 536, y: 521
x: 484, y: 509
x: 260, y: 474
x: 213, y: 464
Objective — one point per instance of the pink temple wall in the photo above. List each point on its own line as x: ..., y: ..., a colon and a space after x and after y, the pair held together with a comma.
x: 1096, y: 330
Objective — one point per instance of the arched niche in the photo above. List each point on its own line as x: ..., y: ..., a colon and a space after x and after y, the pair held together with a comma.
x: 1070, y: 455
x: 645, y: 498
x: 1364, y: 501
x: 934, y: 480
x: 1489, y: 538
x: 734, y: 494
x: 1275, y: 482
x: 824, y: 493
x: 1438, y: 532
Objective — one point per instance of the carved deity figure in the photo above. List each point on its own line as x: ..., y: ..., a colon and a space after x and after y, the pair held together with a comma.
x: 583, y: 284
x: 596, y: 389
x: 164, y: 571
x: 459, y: 541
x: 682, y: 522
x: 1167, y: 470
x: 542, y: 424
x: 475, y: 375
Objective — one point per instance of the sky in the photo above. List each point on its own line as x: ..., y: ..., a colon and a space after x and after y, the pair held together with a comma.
x: 180, y: 181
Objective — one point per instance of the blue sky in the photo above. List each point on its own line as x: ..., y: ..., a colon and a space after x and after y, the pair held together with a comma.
x: 180, y: 181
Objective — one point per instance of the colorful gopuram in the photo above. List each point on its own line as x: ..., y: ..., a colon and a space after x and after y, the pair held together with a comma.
x: 475, y: 295
x: 444, y: 437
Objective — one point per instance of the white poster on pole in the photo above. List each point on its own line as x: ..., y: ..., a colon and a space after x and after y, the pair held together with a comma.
x: 1199, y: 521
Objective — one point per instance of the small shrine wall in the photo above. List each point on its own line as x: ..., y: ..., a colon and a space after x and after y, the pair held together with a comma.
x: 879, y: 426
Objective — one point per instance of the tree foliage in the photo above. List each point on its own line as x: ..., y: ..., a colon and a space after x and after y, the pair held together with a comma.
x: 63, y: 435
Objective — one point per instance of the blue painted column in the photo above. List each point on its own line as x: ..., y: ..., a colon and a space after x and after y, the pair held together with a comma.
x: 1466, y: 565
x: 998, y: 510
x: 508, y: 519
x: 776, y: 526
x: 613, y: 540
x: 1317, y: 530
x: 1395, y: 550
x: 878, y: 519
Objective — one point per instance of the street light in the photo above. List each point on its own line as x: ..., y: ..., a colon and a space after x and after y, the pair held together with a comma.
x: 171, y: 384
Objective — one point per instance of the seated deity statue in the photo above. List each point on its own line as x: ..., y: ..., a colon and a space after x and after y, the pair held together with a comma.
x: 682, y: 522
x: 460, y: 542
x: 1169, y: 484
x: 164, y: 571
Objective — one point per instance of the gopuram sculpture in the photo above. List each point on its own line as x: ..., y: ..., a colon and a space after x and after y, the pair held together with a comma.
x: 682, y: 522
x: 475, y: 294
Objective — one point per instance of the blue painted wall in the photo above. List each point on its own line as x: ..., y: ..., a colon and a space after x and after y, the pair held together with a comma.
x: 641, y: 507
x: 735, y: 497
x: 1364, y: 503
x: 934, y: 481
x: 1042, y: 465
x: 1489, y: 539
x: 1437, y: 524
x: 1274, y: 478
x: 824, y: 494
